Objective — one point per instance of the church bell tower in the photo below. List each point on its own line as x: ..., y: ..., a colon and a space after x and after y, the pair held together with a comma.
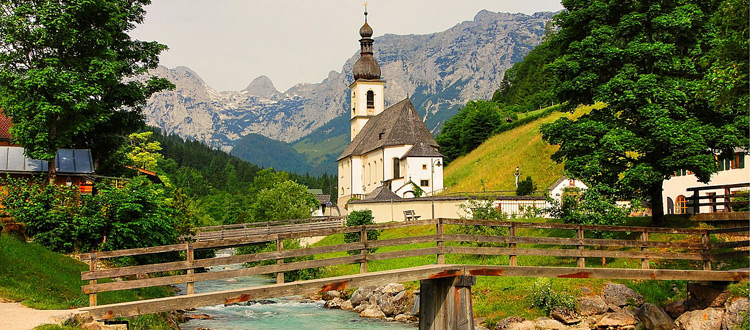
x: 367, y: 88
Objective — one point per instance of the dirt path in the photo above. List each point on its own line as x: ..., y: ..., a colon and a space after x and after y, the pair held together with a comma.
x: 15, y: 316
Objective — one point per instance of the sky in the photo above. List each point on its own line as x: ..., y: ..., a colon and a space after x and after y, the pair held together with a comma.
x: 231, y: 42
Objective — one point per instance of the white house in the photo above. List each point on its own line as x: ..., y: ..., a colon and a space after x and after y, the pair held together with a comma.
x: 556, y: 189
x: 390, y: 147
x: 732, y: 177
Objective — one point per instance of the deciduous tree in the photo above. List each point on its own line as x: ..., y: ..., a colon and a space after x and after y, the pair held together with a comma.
x: 63, y: 66
x: 644, y: 60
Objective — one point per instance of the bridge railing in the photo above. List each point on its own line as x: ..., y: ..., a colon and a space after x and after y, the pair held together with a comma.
x: 571, y: 241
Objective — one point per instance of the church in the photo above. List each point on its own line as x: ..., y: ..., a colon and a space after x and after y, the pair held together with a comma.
x: 392, y: 154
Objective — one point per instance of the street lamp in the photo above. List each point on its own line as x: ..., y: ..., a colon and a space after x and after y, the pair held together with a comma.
x: 433, y: 163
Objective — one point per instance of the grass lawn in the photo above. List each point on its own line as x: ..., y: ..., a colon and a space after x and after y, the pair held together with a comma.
x: 495, y: 298
x: 42, y: 279
x: 491, y: 165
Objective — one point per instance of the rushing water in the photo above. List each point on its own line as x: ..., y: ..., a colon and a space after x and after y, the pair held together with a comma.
x: 285, y: 313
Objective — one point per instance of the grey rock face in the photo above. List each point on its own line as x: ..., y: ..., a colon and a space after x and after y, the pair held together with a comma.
x: 361, y: 295
x: 505, y: 323
x: 654, y: 318
x: 616, y: 320
x: 372, y: 311
x: 440, y: 71
x: 549, y: 324
x: 620, y: 295
x: 334, y: 303
x: 735, y: 310
x: 591, y: 305
x: 706, y: 319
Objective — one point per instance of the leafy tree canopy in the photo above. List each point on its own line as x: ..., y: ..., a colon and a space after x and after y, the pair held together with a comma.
x: 62, y: 70
x: 285, y: 200
x: 646, y: 61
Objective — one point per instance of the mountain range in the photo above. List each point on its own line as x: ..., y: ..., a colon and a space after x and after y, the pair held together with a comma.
x: 439, y: 72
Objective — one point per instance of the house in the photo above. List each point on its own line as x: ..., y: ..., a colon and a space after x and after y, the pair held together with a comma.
x: 556, y: 189
x: 390, y: 147
x: 73, y: 167
x: 324, y: 201
x: 733, y: 177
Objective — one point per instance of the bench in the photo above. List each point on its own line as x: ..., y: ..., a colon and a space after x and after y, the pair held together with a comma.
x: 410, y: 215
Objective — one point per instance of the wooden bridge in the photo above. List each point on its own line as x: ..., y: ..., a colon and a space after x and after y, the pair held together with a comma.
x: 573, y: 244
x: 252, y: 229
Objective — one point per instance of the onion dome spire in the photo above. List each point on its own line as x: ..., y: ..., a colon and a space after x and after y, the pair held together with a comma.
x: 366, y: 67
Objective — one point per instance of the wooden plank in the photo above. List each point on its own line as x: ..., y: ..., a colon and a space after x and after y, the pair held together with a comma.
x: 730, y: 230
x: 203, y: 263
x: 736, y: 185
x: 136, y: 251
x: 608, y: 273
x: 402, y: 241
x: 403, y: 253
x: 724, y: 245
x: 728, y: 255
x: 538, y: 225
x: 570, y: 241
x: 177, y: 279
x: 270, y: 291
x: 574, y: 253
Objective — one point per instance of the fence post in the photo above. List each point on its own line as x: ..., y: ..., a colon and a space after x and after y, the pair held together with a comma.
x: 644, y: 261
x: 440, y: 243
x: 190, y: 271
x: 581, y: 260
x: 92, y: 267
x: 696, y: 202
x: 280, y: 260
x: 512, y: 259
x: 706, y: 251
x: 363, y: 252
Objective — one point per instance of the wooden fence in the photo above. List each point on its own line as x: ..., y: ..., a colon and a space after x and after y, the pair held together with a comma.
x: 577, y: 242
x: 265, y: 228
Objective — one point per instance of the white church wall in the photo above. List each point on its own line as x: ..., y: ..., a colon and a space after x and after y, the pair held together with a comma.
x: 420, y: 168
x: 557, y: 190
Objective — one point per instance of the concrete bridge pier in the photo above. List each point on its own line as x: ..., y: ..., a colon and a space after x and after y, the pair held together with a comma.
x: 445, y: 303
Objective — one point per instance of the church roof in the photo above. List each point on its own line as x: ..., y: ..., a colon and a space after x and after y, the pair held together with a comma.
x: 400, y: 124
x: 422, y: 149
x: 381, y: 193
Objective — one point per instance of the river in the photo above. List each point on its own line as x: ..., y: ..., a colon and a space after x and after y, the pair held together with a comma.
x: 285, y: 313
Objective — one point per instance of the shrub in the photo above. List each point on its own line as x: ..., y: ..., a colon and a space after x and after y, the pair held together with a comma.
x: 590, y: 207
x: 360, y: 218
x: 526, y: 187
x: 542, y: 296
x: 62, y: 219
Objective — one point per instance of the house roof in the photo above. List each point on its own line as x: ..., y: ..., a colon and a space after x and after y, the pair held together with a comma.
x: 323, y: 199
x: 381, y: 193
x: 422, y: 149
x: 5, y: 124
x: 71, y: 161
x: 400, y: 124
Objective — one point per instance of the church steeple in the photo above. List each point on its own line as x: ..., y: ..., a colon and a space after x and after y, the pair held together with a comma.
x: 367, y: 88
x: 366, y: 67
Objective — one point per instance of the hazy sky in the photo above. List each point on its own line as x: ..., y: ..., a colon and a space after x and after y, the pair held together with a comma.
x: 231, y: 42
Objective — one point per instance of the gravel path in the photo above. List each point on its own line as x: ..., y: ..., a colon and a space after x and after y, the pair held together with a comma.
x: 15, y: 316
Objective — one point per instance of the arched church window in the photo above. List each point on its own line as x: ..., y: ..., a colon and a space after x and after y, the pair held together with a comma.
x: 396, y: 168
x: 370, y: 99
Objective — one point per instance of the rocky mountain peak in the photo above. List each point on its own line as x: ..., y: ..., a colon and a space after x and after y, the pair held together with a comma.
x: 261, y: 87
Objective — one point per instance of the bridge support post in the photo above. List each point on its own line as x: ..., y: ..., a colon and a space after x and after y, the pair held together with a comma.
x: 92, y: 267
x: 445, y: 303
x: 280, y: 261
x: 190, y: 256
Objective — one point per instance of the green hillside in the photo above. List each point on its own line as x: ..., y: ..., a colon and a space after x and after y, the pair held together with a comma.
x: 493, y: 163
